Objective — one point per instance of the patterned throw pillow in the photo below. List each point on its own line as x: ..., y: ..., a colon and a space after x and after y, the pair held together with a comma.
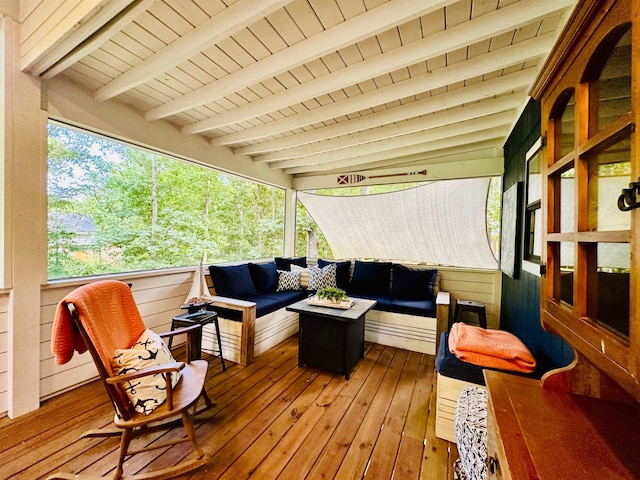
x: 304, y: 274
x: 146, y: 393
x: 288, y: 280
x: 322, y: 277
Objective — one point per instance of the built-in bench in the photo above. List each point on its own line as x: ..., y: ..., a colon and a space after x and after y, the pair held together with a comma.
x: 253, y: 317
x: 453, y: 375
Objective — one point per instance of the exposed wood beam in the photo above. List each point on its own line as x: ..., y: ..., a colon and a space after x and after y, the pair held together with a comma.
x: 498, y: 134
x: 471, y: 151
x: 477, y: 91
x: 480, y: 65
x: 95, y: 40
x: 468, y: 33
x: 365, y: 25
x: 417, y: 138
x: 229, y: 21
x: 400, y: 130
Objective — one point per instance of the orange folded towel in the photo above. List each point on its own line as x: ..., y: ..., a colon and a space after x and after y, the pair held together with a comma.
x: 490, y: 348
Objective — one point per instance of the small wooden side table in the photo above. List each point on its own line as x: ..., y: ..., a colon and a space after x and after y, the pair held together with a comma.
x: 202, y: 317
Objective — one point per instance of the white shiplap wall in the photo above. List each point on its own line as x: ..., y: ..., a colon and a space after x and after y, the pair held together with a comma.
x: 480, y: 285
x: 158, y: 297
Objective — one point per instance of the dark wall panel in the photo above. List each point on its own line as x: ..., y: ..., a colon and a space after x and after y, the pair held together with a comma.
x: 520, y: 308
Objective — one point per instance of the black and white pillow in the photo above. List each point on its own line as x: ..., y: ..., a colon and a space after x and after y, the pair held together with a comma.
x: 145, y: 393
x: 322, y: 277
x: 470, y: 420
x: 288, y: 280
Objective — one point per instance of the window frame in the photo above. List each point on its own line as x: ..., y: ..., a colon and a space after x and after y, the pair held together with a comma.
x: 531, y: 263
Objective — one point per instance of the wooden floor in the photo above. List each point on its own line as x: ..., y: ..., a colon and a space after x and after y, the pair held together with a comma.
x: 271, y: 420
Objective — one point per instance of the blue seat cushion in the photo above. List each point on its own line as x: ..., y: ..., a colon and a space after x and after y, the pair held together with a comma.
x: 264, y: 276
x: 422, y: 308
x: 233, y: 281
x: 447, y: 364
x: 270, y: 302
x: 384, y: 301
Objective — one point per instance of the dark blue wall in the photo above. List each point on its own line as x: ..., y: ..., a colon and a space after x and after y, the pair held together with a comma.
x: 520, y: 308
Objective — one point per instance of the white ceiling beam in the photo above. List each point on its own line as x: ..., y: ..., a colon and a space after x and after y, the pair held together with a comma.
x: 477, y: 91
x: 476, y: 167
x: 511, y: 103
x: 467, y: 151
x: 96, y: 40
x: 229, y: 21
x: 480, y: 65
x: 365, y: 25
x: 498, y: 134
x: 468, y: 33
x: 417, y: 138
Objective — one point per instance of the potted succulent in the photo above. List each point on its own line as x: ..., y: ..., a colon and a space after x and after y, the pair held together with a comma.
x: 332, y: 294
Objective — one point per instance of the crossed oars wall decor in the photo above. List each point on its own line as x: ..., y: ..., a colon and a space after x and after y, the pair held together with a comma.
x: 351, y: 178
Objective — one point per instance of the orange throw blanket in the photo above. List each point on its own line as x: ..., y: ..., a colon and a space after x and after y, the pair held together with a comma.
x: 65, y: 338
x: 490, y: 348
x: 110, y: 313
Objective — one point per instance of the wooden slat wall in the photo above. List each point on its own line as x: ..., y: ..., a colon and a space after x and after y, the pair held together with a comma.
x: 4, y: 349
x: 158, y: 297
x: 481, y: 285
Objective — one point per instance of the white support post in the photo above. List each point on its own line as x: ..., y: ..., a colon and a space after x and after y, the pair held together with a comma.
x: 23, y: 160
x: 290, y: 203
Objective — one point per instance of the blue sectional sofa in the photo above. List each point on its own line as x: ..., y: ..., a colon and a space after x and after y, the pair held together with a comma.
x: 251, y: 300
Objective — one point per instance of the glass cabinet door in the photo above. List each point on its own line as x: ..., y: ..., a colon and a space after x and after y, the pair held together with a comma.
x: 588, y: 161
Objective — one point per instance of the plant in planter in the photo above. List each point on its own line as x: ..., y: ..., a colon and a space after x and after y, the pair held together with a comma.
x: 332, y: 294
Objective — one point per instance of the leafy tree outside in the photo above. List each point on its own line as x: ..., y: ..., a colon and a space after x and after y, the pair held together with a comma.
x: 149, y: 211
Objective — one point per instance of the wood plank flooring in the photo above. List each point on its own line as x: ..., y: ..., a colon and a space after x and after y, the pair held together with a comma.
x: 272, y: 420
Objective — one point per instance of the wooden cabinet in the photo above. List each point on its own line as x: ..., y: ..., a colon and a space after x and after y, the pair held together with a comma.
x: 590, y: 104
x: 548, y: 434
x: 583, y: 421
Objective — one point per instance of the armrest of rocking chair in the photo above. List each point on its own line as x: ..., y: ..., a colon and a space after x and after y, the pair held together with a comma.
x: 182, y: 331
x: 165, y: 369
x: 248, y: 311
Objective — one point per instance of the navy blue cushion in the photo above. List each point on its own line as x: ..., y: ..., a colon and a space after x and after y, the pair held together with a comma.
x: 412, y: 283
x: 270, y: 302
x: 283, y: 263
x: 448, y: 364
x: 264, y: 276
x: 421, y: 308
x: 265, y: 304
x: 232, y: 281
x: 371, y: 278
x: 343, y: 272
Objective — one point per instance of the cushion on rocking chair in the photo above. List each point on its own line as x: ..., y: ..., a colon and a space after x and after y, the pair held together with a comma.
x: 146, y: 393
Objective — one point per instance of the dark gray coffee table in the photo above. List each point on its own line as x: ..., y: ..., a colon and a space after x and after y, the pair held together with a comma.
x: 331, y: 338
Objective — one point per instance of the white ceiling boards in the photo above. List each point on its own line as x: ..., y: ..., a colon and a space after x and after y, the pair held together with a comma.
x: 311, y: 87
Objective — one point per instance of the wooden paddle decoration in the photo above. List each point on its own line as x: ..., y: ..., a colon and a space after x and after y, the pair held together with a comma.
x: 357, y: 178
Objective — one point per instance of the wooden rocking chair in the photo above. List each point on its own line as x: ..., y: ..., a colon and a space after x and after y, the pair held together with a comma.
x: 102, y: 317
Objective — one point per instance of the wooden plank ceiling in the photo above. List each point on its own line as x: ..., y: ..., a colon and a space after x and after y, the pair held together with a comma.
x: 319, y: 86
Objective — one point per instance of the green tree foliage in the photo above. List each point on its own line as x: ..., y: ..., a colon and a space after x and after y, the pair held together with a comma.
x: 149, y: 211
